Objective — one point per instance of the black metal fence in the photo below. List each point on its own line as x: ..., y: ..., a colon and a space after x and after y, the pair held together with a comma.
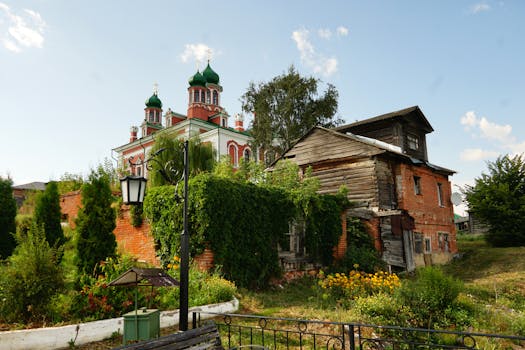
x: 284, y: 333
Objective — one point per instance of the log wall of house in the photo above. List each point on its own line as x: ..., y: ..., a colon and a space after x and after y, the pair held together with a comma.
x: 338, y: 159
x: 392, y: 134
x: 358, y: 177
x: 386, y: 184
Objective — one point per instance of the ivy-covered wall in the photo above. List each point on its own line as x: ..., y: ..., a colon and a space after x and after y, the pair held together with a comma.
x: 242, y: 223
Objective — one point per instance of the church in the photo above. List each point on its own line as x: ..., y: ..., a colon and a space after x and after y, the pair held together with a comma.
x: 205, y: 118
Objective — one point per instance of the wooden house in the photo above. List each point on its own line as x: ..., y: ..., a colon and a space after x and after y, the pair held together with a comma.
x: 403, y: 199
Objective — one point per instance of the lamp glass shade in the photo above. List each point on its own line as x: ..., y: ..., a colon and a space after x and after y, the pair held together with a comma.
x: 133, y: 189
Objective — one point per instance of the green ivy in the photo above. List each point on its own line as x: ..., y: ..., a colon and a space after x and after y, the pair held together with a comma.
x: 136, y: 215
x: 242, y: 223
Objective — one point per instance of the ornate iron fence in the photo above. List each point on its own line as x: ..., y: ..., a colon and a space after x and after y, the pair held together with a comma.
x: 285, y: 333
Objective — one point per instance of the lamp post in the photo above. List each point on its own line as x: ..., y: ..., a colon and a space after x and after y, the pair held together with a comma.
x: 133, y: 190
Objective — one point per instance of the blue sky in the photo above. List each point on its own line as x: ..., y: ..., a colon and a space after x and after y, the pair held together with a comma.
x: 74, y: 75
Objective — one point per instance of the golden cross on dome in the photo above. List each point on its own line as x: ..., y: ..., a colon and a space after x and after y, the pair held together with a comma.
x: 156, y: 88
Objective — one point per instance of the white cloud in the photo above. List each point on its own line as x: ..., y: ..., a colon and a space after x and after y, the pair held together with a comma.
x: 342, y: 31
x: 11, y: 46
x: 22, y: 30
x: 516, y: 148
x: 479, y: 7
x: 475, y: 154
x: 309, y: 57
x: 494, y: 131
x: 469, y: 119
x: 487, y: 129
x: 324, y: 33
x: 500, y: 136
x: 199, y: 52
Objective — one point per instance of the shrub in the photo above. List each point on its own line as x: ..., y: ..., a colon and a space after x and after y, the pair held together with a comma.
x: 383, y: 309
x: 429, y: 295
x: 97, y: 300
x: 47, y: 213
x: 95, y: 222
x: 7, y: 218
x: 30, y: 279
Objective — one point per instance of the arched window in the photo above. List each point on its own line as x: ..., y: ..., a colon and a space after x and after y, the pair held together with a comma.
x: 151, y: 115
x: 196, y: 96
x: 232, y: 151
x: 157, y: 116
x: 247, y: 155
x: 215, y: 98
x: 203, y: 97
x: 208, y: 98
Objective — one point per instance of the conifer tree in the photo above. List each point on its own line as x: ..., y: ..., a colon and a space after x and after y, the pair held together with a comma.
x: 95, y: 222
x: 47, y: 214
x: 7, y: 218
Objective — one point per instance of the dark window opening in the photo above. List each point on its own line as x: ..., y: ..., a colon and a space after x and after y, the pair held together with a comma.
x: 417, y: 185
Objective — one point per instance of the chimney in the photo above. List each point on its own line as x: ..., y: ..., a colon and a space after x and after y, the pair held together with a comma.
x: 239, y: 121
x: 133, y: 133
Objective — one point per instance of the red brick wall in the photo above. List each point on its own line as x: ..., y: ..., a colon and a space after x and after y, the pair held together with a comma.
x: 204, y: 261
x: 340, y: 249
x: 136, y: 241
x: 429, y: 217
x: 70, y: 203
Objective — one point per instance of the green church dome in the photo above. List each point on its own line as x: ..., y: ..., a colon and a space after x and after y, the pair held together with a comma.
x: 197, y: 80
x: 154, y: 101
x: 210, y: 75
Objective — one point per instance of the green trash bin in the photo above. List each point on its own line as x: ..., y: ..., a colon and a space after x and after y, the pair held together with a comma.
x: 141, y: 325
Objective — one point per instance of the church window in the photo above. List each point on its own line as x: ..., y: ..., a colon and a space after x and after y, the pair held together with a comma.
x: 247, y: 155
x: 202, y: 97
x: 233, y: 155
x: 223, y: 122
x: 196, y: 96
x: 151, y: 112
x: 156, y: 116
x: 215, y: 97
x: 208, y: 96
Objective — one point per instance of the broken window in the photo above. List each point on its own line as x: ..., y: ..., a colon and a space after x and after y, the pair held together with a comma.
x: 444, y: 244
x: 418, y: 243
x: 428, y: 247
x: 417, y: 185
x: 413, y: 142
x: 440, y: 194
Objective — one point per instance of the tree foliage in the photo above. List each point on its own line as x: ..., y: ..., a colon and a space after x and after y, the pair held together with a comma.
x: 47, y: 214
x: 498, y: 199
x: 7, y: 218
x: 167, y: 159
x: 30, y: 279
x: 286, y: 108
x: 69, y: 182
x: 95, y: 222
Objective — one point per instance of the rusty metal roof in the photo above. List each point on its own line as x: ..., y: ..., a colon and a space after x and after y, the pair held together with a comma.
x: 145, y: 277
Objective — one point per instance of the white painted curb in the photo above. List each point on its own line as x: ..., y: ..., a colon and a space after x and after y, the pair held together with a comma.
x: 51, y: 338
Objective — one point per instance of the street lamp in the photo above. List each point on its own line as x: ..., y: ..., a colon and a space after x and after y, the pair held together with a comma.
x: 133, y: 190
